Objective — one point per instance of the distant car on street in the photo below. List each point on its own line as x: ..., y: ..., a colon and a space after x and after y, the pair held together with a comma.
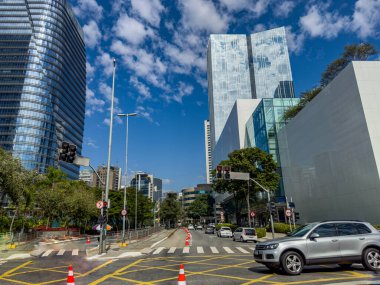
x: 199, y: 227
x: 338, y: 242
x: 190, y: 227
x: 224, y: 232
x: 210, y: 230
x: 245, y: 235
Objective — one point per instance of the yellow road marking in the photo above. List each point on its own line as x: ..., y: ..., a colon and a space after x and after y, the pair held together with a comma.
x: 97, y: 268
x: 131, y: 280
x: 16, y: 281
x: 259, y: 279
x: 15, y: 269
x: 317, y: 280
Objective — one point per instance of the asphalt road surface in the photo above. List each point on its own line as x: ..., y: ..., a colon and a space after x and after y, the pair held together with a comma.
x: 202, y: 266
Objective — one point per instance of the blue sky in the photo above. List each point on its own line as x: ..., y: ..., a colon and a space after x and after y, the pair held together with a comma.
x: 160, y: 47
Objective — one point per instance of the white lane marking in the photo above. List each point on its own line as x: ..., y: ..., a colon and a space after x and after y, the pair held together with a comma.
x: 61, y: 252
x: 2, y: 262
x: 200, y: 249
x: 75, y: 251
x: 172, y: 250
x: 156, y: 243
x: 186, y: 249
x: 47, y: 253
x: 252, y: 248
x: 228, y: 249
x: 242, y: 250
x: 213, y: 249
x: 18, y: 256
x: 158, y: 250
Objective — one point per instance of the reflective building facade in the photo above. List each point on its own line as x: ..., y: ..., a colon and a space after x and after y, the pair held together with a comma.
x: 42, y: 81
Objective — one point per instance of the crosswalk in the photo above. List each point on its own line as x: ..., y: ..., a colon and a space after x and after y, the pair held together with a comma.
x: 200, y: 250
x: 61, y: 252
x: 2, y: 262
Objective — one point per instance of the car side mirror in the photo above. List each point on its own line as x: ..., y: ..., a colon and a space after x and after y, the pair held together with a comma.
x: 314, y: 236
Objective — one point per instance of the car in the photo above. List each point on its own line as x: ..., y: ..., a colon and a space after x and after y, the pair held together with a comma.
x: 224, y: 232
x: 211, y: 225
x: 190, y: 227
x: 245, y: 235
x: 210, y: 230
x: 199, y: 227
x: 338, y: 242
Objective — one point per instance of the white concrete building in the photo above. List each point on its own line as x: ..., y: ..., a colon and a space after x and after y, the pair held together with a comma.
x: 208, y: 152
x: 330, y: 152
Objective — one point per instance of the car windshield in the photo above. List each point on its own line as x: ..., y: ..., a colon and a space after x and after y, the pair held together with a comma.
x: 249, y: 232
x: 302, y: 230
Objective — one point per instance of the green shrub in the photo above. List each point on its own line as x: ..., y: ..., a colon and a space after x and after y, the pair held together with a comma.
x: 377, y: 227
x: 261, y: 232
x: 281, y: 228
x: 232, y: 226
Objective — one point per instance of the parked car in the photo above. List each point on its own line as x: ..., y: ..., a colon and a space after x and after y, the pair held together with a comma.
x: 337, y: 242
x: 245, y: 235
x: 199, y: 227
x: 210, y: 230
x: 224, y: 232
x: 190, y: 227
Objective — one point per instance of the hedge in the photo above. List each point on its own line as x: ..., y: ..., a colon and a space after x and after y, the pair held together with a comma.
x: 261, y: 232
x: 280, y: 228
x: 232, y: 226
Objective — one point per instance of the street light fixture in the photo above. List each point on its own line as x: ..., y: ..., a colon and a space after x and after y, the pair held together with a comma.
x: 126, y: 169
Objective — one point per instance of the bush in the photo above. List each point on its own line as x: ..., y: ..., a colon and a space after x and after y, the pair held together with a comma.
x: 261, y: 232
x: 232, y: 226
x: 377, y: 227
x: 281, y: 228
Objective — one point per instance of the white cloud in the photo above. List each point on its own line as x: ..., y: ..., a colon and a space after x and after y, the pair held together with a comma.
x: 366, y: 18
x: 141, y: 88
x: 295, y: 41
x: 149, y: 10
x: 202, y: 15
x: 256, y: 7
x: 259, y: 28
x: 166, y: 181
x: 92, y: 103
x: 182, y: 91
x: 88, y: 8
x: 145, y: 113
x: 105, y: 60
x: 320, y: 23
x: 90, y: 70
x: 91, y: 34
x: 283, y: 9
x: 107, y: 92
x: 91, y: 143
x: 132, y: 30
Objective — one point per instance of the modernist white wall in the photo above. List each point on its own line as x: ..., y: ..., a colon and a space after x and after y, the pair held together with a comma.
x: 233, y: 134
x: 330, y: 150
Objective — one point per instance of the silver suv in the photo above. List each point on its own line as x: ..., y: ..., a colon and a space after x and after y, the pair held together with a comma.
x: 339, y: 242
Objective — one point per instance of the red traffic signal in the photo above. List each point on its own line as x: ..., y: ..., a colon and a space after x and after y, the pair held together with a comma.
x: 219, y: 169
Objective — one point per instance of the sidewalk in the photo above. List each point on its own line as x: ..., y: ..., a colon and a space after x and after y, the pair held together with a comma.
x: 269, y: 236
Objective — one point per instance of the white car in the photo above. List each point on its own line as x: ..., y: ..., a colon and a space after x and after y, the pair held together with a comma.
x: 190, y: 227
x: 224, y: 232
x: 245, y: 234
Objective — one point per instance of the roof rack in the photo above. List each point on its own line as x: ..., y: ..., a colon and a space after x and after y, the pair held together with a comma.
x: 341, y: 221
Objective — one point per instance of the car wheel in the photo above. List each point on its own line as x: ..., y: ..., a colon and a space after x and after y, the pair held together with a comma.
x: 233, y: 238
x: 292, y: 263
x: 241, y: 239
x: 255, y: 241
x: 371, y: 259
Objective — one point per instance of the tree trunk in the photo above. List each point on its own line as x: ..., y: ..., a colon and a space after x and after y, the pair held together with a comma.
x: 11, y: 227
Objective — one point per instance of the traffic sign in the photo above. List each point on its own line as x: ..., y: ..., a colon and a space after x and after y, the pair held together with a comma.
x: 288, y: 212
x: 123, y: 212
x: 291, y: 205
x: 99, y: 204
x: 253, y: 214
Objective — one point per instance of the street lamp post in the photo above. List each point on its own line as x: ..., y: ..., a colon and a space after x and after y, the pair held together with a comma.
x: 126, y: 169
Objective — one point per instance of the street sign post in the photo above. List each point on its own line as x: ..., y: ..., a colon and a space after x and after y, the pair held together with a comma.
x: 99, y: 204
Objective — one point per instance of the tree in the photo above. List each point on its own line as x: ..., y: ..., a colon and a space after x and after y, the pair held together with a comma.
x: 170, y: 210
x: 260, y: 166
x: 202, y: 206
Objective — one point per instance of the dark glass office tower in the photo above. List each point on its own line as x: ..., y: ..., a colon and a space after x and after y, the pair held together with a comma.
x: 42, y: 81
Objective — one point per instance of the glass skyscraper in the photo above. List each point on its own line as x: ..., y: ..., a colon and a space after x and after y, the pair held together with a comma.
x: 42, y: 81
x: 245, y: 67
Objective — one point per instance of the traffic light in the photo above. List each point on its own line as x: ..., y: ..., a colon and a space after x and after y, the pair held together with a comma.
x: 296, y: 216
x: 272, y: 208
x: 226, y: 172
x: 219, y: 172
x: 67, y: 152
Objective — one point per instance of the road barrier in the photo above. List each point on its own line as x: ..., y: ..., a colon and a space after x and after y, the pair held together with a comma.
x: 181, y: 275
x: 70, y: 276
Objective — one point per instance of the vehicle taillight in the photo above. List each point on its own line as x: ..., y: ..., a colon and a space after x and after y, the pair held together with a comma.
x: 244, y: 233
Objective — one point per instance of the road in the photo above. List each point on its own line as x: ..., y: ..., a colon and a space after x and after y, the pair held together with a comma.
x: 209, y: 260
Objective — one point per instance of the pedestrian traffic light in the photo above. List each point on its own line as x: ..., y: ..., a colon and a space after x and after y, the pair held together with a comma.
x: 219, y: 172
x: 67, y: 152
x: 227, y: 172
x: 296, y: 216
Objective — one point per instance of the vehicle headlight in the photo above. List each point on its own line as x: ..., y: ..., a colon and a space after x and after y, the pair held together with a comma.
x: 271, y: 246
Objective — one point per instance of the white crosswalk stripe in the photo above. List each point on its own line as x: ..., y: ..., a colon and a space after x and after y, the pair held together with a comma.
x: 75, y: 251
x: 186, y: 249
x: 172, y: 250
x: 242, y: 250
x: 61, y: 252
x: 200, y: 249
x: 214, y: 249
x: 2, y: 262
x: 227, y: 249
x: 47, y: 253
x: 252, y: 248
x: 158, y: 250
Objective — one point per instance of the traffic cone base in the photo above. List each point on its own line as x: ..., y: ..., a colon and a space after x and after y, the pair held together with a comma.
x: 88, y: 240
x: 70, y: 276
x: 181, y: 275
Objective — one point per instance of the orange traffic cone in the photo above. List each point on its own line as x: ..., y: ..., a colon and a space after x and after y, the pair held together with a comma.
x: 70, y: 276
x: 88, y: 240
x: 181, y: 275
x: 187, y: 242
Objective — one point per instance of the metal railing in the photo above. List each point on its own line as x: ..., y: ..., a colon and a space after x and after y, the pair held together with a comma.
x: 135, y: 235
